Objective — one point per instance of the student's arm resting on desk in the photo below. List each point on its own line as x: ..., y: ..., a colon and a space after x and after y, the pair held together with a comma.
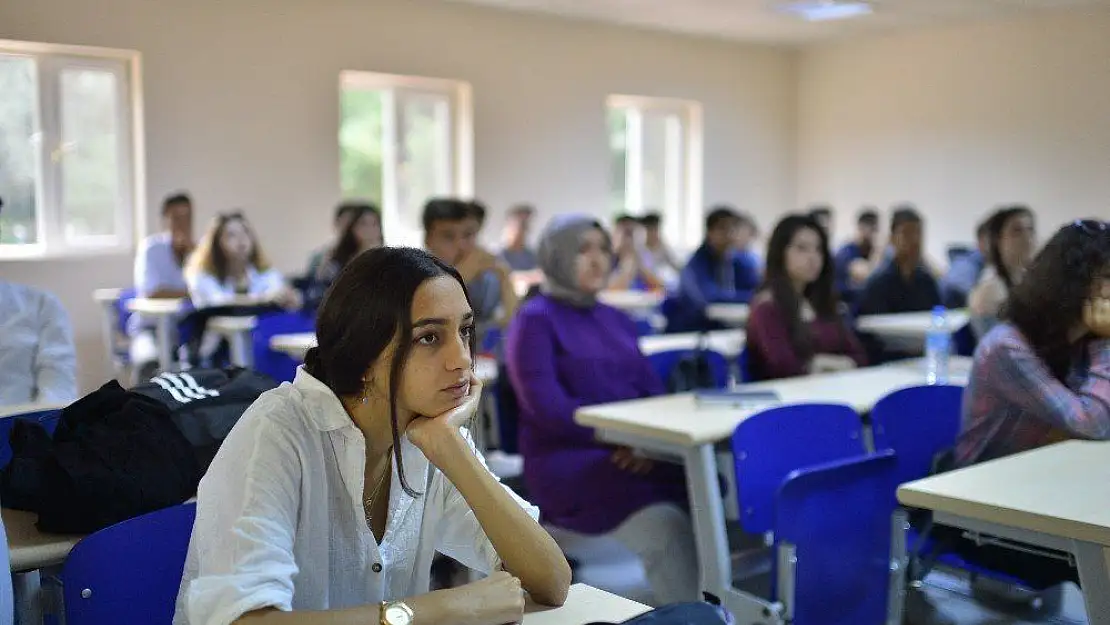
x: 55, y: 358
x: 1020, y: 375
x: 205, y: 291
x: 486, y: 526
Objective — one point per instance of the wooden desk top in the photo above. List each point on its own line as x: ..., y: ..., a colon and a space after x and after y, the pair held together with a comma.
x: 31, y: 549
x: 585, y: 604
x: 909, y: 325
x: 677, y: 419
x: 632, y: 301
x: 728, y: 343
x: 21, y: 409
x: 107, y: 296
x: 735, y: 315
x: 156, y: 307
x: 1060, y: 490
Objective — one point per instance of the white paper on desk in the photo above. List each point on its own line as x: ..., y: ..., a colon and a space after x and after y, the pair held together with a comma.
x: 747, y: 400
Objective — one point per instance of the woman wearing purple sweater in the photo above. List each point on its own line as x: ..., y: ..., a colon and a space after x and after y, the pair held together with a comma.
x: 564, y: 351
x: 795, y: 327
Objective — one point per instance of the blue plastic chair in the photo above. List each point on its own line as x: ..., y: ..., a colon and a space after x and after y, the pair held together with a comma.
x: 130, y: 572
x: 47, y: 418
x: 918, y: 424
x: 664, y: 364
x: 281, y: 367
x: 769, y: 445
x: 833, y: 529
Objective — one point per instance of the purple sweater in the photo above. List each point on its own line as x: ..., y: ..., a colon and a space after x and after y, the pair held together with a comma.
x: 561, y: 358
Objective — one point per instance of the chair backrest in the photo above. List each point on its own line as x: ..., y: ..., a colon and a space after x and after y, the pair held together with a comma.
x: 837, y: 517
x: 279, y: 366
x: 665, y: 363
x: 917, y: 423
x: 48, y: 419
x: 122, y: 313
x: 769, y: 445
x: 129, y: 572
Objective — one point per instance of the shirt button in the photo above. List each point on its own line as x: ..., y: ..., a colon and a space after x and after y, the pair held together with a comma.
x: 377, y: 567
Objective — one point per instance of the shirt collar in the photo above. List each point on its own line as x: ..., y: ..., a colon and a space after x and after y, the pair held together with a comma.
x: 322, y: 405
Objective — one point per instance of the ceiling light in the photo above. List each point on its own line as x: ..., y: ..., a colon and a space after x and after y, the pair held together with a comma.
x: 825, y: 10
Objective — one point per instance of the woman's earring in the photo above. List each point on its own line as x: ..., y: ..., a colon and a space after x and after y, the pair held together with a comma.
x: 366, y: 391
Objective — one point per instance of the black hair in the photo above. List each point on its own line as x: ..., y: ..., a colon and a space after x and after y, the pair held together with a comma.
x: 904, y: 214
x: 984, y: 227
x: 349, y: 246
x: 522, y: 210
x: 868, y: 217
x: 349, y: 208
x: 356, y: 324
x: 477, y: 210
x: 445, y: 209
x: 995, y: 225
x: 624, y: 218
x: 821, y: 293
x: 651, y: 220
x: 176, y: 199
x: 820, y: 211
x: 1049, y: 301
x: 719, y: 214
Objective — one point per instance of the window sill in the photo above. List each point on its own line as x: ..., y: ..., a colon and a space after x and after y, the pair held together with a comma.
x: 16, y: 256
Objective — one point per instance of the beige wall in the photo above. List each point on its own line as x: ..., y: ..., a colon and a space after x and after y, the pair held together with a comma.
x: 242, y: 109
x: 960, y: 119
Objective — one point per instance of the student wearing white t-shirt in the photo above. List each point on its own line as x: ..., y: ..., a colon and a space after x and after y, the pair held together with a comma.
x: 328, y: 500
x: 228, y: 266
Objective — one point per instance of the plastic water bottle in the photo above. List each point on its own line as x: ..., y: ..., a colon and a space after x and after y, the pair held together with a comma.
x: 938, y: 346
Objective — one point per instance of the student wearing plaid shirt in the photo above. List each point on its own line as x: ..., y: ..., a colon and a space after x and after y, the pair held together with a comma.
x: 1044, y: 375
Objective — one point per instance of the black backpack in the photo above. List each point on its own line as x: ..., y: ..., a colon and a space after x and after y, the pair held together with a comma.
x: 693, y: 370
x: 205, y: 404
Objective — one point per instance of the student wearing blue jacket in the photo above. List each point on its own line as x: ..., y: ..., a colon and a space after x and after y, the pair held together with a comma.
x: 721, y: 271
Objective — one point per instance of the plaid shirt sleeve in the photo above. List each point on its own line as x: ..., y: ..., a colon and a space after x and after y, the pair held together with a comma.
x: 1026, y: 382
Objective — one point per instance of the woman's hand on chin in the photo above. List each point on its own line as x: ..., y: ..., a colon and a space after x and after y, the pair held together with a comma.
x: 435, y: 435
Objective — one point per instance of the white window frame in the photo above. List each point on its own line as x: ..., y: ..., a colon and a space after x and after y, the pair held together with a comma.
x: 50, y: 61
x: 457, y: 167
x: 682, y: 213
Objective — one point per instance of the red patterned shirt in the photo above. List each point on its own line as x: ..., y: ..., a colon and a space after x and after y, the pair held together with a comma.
x: 1013, y: 403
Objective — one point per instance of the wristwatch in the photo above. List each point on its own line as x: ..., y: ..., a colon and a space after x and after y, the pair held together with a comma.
x: 396, y: 613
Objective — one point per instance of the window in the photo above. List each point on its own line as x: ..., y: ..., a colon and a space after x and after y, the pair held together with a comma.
x: 655, y: 147
x: 403, y: 140
x: 67, y: 149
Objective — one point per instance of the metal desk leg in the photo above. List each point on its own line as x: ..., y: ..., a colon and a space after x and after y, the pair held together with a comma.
x: 1093, y: 562
x: 27, y: 588
x: 165, y: 342
x: 108, y: 330
x: 241, y: 355
x: 708, y: 514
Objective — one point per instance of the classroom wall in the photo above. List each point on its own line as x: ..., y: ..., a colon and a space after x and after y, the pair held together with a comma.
x: 242, y: 110
x: 960, y: 119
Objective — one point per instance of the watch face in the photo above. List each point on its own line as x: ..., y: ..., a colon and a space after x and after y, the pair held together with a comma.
x: 398, y: 615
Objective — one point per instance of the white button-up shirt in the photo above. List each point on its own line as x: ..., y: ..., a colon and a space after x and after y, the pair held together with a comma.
x: 38, y: 362
x: 280, y: 520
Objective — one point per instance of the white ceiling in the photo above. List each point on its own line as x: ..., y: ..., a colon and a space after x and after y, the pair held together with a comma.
x: 757, y: 20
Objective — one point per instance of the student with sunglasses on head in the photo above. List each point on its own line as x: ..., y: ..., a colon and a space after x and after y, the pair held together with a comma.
x: 330, y: 497
x: 1043, y: 375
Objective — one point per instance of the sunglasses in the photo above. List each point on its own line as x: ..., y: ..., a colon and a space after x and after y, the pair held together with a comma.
x: 1091, y: 226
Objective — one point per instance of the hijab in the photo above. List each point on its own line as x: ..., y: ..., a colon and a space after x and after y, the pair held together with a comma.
x: 560, y: 244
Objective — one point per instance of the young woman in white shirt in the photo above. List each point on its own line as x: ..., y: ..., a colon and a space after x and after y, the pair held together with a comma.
x: 229, y: 267
x: 330, y: 497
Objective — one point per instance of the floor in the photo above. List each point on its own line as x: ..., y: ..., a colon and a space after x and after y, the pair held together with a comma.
x: 612, y: 568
